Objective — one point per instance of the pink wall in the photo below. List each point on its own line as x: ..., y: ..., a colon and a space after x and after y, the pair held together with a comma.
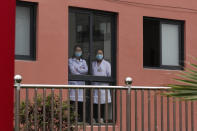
x: 52, y: 39
x: 50, y: 66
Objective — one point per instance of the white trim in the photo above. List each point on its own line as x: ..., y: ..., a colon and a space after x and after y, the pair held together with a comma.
x: 88, y: 86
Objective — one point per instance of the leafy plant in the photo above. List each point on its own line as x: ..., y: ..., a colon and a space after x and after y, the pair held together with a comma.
x: 48, y: 120
x: 187, y: 89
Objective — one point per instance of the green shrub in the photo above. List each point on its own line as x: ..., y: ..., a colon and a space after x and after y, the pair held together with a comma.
x: 39, y: 101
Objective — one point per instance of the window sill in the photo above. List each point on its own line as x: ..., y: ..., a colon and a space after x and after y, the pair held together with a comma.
x: 165, y: 68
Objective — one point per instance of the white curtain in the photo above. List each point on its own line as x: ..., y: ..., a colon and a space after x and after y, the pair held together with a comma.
x: 170, y: 44
x: 22, y: 36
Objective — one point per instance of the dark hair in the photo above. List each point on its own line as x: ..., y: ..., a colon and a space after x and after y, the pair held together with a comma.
x: 75, y: 47
x: 100, y: 49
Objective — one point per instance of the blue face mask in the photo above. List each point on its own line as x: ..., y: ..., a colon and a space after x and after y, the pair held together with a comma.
x: 78, y: 54
x: 99, y: 57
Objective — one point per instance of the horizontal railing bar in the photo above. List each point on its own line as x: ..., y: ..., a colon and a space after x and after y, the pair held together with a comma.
x: 148, y: 88
x: 90, y: 78
x: 88, y: 86
x: 69, y: 86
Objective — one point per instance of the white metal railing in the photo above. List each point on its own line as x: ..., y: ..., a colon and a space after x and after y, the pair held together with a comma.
x: 20, y: 86
x: 73, y: 125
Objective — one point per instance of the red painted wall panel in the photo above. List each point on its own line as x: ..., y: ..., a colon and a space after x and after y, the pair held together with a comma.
x: 52, y: 47
x: 7, y: 28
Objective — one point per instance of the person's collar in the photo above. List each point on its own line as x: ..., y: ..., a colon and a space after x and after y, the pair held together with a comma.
x: 100, y: 61
x: 77, y: 59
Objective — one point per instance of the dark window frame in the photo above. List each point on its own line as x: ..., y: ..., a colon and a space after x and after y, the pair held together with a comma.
x: 181, y: 25
x: 90, y: 78
x: 33, y: 21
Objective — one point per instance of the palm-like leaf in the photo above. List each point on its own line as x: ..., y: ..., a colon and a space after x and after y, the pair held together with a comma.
x: 187, y: 89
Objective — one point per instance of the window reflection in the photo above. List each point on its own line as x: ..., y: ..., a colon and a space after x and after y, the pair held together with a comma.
x: 79, y: 33
x: 102, y: 35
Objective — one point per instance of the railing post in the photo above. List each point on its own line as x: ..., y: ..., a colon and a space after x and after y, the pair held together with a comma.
x: 128, y: 82
x: 18, y: 80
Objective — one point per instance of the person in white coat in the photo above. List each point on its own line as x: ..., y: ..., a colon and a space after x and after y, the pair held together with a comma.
x: 101, y: 67
x: 77, y: 66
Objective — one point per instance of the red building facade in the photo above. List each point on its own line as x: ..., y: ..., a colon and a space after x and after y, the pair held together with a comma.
x: 151, y: 41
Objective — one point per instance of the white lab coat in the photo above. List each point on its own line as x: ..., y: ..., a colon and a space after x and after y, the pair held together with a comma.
x: 77, y: 67
x: 104, y: 69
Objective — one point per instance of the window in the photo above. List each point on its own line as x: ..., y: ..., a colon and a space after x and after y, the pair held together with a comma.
x: 163, y: 43
x: 25, y: 35
x: 93, y: 30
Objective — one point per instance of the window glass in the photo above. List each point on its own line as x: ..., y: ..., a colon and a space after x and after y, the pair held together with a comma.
x: 79, y: 33
x: 151, y: 43
x: 22, y: 37
x: 102, y: 36
x: 25, y: 30
x: 92, y: 32
x: 170, y: 44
